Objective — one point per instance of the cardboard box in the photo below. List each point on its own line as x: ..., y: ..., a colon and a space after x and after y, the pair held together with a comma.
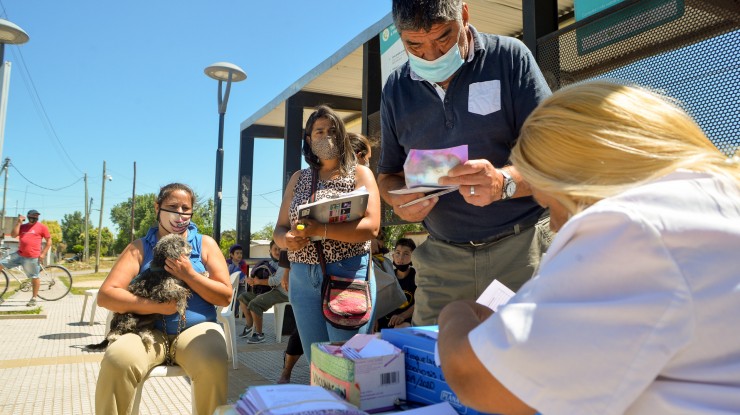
x: 425, y: 382
x: 372, y: 384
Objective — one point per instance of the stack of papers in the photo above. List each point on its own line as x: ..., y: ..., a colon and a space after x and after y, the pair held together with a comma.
x: 293, y: 400
x: 361, y: 346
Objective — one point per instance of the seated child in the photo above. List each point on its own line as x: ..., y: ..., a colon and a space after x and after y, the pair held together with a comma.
x: 265, y: 290
x: 406, y: 274
x: 237, y: 263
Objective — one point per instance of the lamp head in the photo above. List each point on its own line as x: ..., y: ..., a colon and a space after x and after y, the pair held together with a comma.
x: 220, y: 72
x: 11, y: 34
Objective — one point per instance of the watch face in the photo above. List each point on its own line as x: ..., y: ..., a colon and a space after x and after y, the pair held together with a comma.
x: 510, y: 189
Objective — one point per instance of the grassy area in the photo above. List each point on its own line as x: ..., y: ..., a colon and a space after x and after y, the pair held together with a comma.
x: 105, y: 263
x: 36, y: 310
x: 81, y: 283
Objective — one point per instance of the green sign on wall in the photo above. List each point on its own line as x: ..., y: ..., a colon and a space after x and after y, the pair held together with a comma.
x: 585, y: 8
x: 625, y: 23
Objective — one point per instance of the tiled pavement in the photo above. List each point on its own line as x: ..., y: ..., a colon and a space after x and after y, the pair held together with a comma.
x: 45, y: 370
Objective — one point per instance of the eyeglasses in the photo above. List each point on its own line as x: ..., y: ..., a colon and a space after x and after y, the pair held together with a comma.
x: 186, y: 214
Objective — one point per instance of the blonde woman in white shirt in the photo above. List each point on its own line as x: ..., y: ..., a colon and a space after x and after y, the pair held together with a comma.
x: 634, y: 308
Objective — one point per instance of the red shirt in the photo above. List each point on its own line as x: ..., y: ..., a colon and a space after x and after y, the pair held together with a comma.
x: 30, y: 238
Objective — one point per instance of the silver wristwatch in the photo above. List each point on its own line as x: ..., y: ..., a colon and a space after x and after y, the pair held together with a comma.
x: 509, y: 186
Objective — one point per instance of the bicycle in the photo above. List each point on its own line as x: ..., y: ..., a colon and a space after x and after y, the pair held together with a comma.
x: 56, y: 281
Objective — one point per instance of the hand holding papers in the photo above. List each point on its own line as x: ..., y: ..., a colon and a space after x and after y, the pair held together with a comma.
x: 423, y: 168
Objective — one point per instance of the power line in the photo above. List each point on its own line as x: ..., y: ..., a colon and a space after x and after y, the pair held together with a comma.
x: 36, y: 99
x: 42, y: 187
x: 40, y: 109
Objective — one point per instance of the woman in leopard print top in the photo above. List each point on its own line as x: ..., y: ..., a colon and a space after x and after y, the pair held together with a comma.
x: 346, y: 245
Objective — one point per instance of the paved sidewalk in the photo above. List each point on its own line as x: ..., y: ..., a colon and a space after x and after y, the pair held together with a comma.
x: 46, y: 370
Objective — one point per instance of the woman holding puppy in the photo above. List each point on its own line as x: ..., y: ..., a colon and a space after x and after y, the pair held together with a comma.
x: 346, y: 245
x: 127, y: 361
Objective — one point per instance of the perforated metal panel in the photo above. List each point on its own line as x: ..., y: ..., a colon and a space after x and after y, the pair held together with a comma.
x: 694, y: 58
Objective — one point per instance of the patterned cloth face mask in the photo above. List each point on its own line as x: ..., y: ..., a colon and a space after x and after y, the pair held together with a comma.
x: 325, y: 148
x: 175, y: 222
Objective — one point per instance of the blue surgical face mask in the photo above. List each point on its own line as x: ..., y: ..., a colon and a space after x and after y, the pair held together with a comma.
x: 439, y: 69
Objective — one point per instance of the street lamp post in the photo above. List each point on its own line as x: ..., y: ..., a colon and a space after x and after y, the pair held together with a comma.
x: 14, y: 35
x: 221, y: 71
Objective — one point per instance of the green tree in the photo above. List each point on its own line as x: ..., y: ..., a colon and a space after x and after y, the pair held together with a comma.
x: 54, y: 229
x: 73, y: 228
x: 393, y: 233
x: 144, y: 218
x: 106, y: 241
x: 203, y: 215
x: 228, y: 238
x: 264, y: 233
x: 57, y: 245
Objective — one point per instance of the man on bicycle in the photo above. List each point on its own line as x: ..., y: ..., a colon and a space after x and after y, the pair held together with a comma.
x: 29, y: 254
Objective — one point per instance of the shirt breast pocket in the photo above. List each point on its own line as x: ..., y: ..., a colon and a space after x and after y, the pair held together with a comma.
x: 484, y: 97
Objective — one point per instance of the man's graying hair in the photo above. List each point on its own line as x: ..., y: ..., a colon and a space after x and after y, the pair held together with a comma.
x: 417, y: 15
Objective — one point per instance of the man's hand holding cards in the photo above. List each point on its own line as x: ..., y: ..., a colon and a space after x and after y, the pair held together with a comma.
x: 423, y: 168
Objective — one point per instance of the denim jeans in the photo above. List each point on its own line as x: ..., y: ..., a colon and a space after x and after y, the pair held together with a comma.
x: 305, y: 298
x: 30, y: 265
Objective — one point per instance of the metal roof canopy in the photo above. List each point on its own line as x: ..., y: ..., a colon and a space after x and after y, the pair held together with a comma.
x: 349, y: 79
x: 341, y: 73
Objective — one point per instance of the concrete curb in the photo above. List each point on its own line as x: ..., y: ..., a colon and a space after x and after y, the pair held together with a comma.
x: 23, y: 316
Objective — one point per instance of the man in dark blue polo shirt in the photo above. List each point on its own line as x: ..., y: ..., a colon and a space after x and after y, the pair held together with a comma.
x: 462, y: 87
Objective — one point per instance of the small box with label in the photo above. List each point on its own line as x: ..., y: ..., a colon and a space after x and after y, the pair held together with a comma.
x: 371, y: 383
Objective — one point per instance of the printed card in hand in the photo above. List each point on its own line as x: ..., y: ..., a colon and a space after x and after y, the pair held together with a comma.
x: 423, y: 168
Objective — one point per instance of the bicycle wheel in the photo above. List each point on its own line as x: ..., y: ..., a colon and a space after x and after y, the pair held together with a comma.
x: 4, y: 284
x: 56, y: 281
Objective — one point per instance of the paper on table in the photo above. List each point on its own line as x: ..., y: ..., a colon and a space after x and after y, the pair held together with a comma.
x: 290, y: 399
x: 358, y: 341
x: 377, y: 347
x: 495, y: 295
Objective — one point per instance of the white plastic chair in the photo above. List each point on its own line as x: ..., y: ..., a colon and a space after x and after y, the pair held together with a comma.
x: 94, y: 294
x: 225, y: 316
x: 279, y: 310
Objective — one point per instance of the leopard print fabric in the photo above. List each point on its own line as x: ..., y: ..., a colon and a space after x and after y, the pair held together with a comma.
x: 333, y: 250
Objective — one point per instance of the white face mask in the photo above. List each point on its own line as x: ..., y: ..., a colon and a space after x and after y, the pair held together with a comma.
x: 439, y: 69
x: 174, y: 222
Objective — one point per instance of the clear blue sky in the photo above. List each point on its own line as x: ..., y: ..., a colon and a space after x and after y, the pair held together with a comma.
x: 123, y: 82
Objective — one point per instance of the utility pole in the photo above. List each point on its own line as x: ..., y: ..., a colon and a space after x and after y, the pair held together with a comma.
x: 5, y: 192
x: 86, y: 252
x: 133, y: 204
x: 100, y: 222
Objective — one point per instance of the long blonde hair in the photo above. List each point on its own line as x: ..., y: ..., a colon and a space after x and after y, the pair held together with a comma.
x: 592, y: 140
